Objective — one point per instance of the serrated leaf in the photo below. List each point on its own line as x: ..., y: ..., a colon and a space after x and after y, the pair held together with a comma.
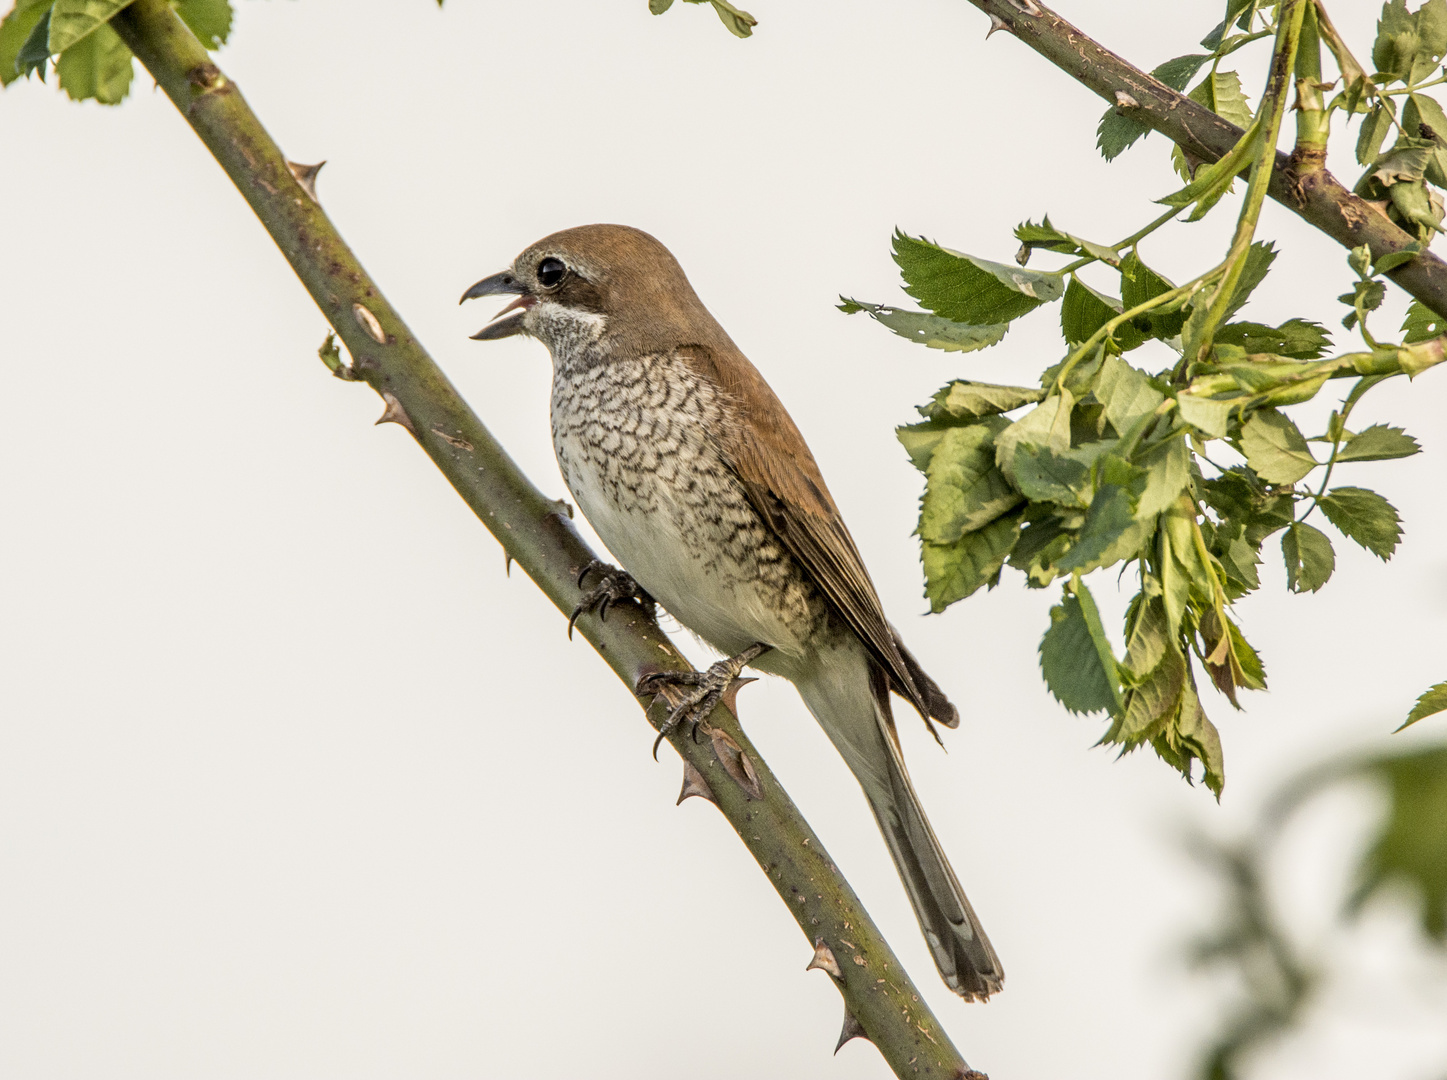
x: 15, y: 30
x: 1126, y: 393
x: 1153, y: 698
x: 1298, y: 339
x: 1432, y: 701
x: 1309, y: 557
x: 965, y: 289
x: 34, y: 51
x: 1178, y: 73
x: 1259, y: 258
x: 919, y: 441
x: 954, y: 571
x: 1411, y: 847
x: 209, y: 20
x: 1110, y: 532
x: 963, y: 400
x: 1047, y: 425
x: 1364, y: 516
x: 1220, y: 91
x: 1190, y: 736
x: 1083, y: 312
x: 1044, y: 477
x: 1120, y: 128
x: 931, y: 331
x: 1234, y: 8
x: 1206, y: 414
x: 1075, y: 657
x: 1147, y: 637
x: 73, y: 20
x: 1168, y: 472
x: 98, y: 67
x: 1047, y: 236
x: 1213, y: 181
x: 1228, y: 658
x: 1422, y: 323
x: 1376, y: 126
x: 964, y: 489
x: 1423, y: 117
x: 1275, y: 448
x: 1378, y: 443
x: 1139, y: 283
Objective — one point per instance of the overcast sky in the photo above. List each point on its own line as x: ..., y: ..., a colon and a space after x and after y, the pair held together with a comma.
x: 295, y: 782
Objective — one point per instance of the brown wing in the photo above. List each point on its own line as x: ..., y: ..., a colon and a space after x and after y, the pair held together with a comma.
x: 784, y: 484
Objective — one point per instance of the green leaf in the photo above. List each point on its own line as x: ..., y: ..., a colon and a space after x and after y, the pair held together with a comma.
x: 1274, y: 447
x: 1189, y: 737
x: 1147, y: 638
x: 1234, y: 8
x: 965, y: 490
x: 1212, y: 182
x: 72, y: 20
x: 1076, y: 658
x: 210, y: 20
x: 1298, y: 339
x: 1139, y: 283
x: 1422, y: 323
x: 1044, y: 477
x: 15, y: 30
x: 1411, y: 848
x: 1220, y: 92
x: 1168, y: 472
x: 1047, y: 425
x: 1259, y: 258
x: 1110, y: 532
x: 1047, y: 236
x: 1376, y: 126
x: 929, y: 330
x: 1309, y: 557
x: 1178, y: 73
x: 1083, y: 312
x: 1127, y: 394
x: 1377, y: 443
x: 1208, y: 415
x: 658, y: 7
x: 1119, y: 128
x: 34, y: 51
x: 954, y: 571
x: 1423, y: 117
x: 739, y: 22
x: 920, y: 440
x: 1152, y: 699
x: 1432, y: 701
x: 97, y: 66
x: 964, y: 400
x: 1364, y: 516
x: 964, y: 289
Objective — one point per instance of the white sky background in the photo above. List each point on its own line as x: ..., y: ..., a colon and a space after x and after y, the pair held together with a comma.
x: 294, y: 782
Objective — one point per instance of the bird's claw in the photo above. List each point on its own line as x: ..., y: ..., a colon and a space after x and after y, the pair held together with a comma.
x: 613, y: 585
x: 708, y: 689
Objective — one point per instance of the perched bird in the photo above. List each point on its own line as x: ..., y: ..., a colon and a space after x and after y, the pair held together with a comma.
x: 694, y: 475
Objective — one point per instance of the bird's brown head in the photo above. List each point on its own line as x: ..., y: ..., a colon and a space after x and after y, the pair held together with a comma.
x: 606, y: 286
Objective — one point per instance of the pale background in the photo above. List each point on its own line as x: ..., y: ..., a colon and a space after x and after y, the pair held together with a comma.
x: 295, y: 783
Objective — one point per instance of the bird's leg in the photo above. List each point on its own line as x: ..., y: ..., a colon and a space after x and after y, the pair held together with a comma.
x: 613, y: 585
x: 707, y: 689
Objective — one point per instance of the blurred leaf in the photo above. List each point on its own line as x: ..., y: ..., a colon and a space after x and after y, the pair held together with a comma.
x: 969, y: 290
x: 1376, y: 126
x: 1364, y: 516
x: 740, y: 22
x: 963, y: 399
x: 15, y: 30
x: 1274, y: 447
x: 1234, y: 9
x: 1240, y: 500
x: 1377, y: 443
x: 1432, y: 701
x: 1076, y: 658
x: 1422, y: 323
x: 72, y: 20
x: 34, y: 51
x: 1368, y: 295
x: 954, y: 571
x: 1309, y: 557
x: 1178, y: 73
x: 1168, y: 472
x: 209, y: 20
x: 1298, y: 339
x: 929, y: 330
x: 964, y: 489
x: 658, y: 7
x: 1411, y: 848
x: 97, y: 66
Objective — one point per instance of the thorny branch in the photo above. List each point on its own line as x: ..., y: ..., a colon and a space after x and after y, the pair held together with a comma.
x: 881, y: 1002
x: 1312, y: 192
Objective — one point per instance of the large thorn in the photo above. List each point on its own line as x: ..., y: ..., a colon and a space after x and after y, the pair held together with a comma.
x: 695, y: 785
x: 306, y: 176
x: 368, y: 322
x: 996, y: 23
x: 824, y: 961
x: 852, y: 1029
x: 736, y: 763
x: 395, y: 414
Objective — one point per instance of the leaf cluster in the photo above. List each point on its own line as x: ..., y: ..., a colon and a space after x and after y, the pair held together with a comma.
x: 90, y: 61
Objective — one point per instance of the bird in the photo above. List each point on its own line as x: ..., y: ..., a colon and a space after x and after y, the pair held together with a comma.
x: 695, y: 477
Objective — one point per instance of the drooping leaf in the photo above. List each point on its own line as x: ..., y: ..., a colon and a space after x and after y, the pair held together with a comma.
x: 1424, y: 118
x: 964, y: 400
x: 1378, y: 443
x: 1045, y: 477
x: 1151, y: 700
x: 1047, y: 236
x: 72, y: 20
x: 1211, y: 182
x: 97, y: 66
x: 929, y: 330
x: 1364, y: 516
x: 1298, y: 339
x: 1275, y: 448
x: 1376, y: 126
x: 15, y: 29
x: 1432, y: 701
x: 1076, y: 658
x: 1168, y: 472
x: 1139, y: 283
x: 1147, y: 638
x: 1189, y: 737
x: 209, y: 20
x: 954, y: 571
x: 965, y: 289
x: 1110, y: 532
x: 1309, y: 557
x: 964, y: 489
x: 1229, y: 659
x: 1411, y: 848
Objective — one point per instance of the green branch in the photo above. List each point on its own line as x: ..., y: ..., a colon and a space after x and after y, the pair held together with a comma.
x: 536, y: 532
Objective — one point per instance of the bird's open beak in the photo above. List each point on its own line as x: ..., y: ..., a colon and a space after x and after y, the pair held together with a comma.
x: 498, y: 285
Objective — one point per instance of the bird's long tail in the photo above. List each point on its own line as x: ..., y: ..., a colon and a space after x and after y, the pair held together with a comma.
x: 851, y: 702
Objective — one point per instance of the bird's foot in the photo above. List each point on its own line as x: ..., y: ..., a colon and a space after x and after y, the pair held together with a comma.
x: 613, y: 585
x: 706, y: 689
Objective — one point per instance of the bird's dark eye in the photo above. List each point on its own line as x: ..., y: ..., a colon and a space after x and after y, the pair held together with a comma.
x: 550, y: 272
